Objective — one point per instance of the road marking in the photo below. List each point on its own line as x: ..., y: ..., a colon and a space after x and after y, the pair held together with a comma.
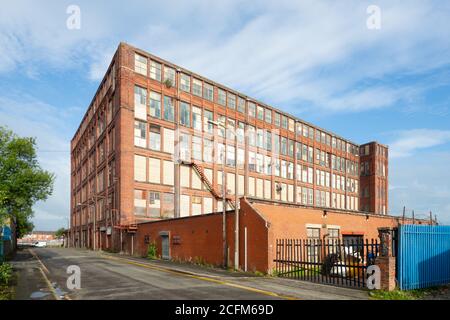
x: 222, y: 282
x: 49, y: 284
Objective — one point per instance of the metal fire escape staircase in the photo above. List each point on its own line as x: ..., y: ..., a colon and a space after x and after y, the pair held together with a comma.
x: 208, y: 184
x: 129, y: 225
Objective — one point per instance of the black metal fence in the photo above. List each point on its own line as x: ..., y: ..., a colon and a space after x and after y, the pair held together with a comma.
x: 336, y: 262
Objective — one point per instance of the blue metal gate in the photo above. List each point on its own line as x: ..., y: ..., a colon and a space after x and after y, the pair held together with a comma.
x: 423, y: 257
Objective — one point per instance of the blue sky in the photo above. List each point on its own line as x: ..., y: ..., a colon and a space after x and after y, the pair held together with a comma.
x: 316, y: 60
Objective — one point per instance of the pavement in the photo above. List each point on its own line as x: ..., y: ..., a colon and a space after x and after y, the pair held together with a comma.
x: 42, y: 274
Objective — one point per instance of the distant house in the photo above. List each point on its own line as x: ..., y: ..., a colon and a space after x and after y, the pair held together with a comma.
x: 37, y: 236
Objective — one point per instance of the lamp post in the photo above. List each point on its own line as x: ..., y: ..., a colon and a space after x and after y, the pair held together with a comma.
x: 224, y: 205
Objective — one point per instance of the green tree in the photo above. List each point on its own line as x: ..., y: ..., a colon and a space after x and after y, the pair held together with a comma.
x: 60, y: 232
x: 22, y: 181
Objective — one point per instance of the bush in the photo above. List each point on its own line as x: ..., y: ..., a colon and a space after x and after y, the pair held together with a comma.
x: 5, y: 273
x: 151, y: 251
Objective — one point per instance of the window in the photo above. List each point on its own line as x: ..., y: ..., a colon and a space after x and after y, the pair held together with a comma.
x: 260, y: 138
x: 185, y: 205
x: 140, y: 168
x: 196, y: 205
x: 207, y: 117
x: 154, y: 170
x: 284, y: 122
x: 268, y: 116
x: 312, y: 248
x: 140, y: 206
x: 185, y: 147
x: 260, y: 113
x: 140, y: 103
x: 185, y: 176
x: 155, y: 70
x: 155, y: 104
x: 231, y: 101
x: 283, y: 145
x: 221, y: 97
x: 241, y: 105
x: 154, y: 204
x: 140, y: 136
x: 221, y: 130
x: 155, y: 137
x: 208, y: 92
x: 197, y: 118
x: 168, y: 210
x: 168, y: 172
x: 240, y: 132
x: 185, y: 114
x: 169, y: 141
x: 291, y: 125
x: 169, y: 76
x: 168, y: 109
x: 208, y: 147
x: 268, y: 141
x: 251, y: 135
x: 140, y: 64
x: 231, y: 156
x: 197, y: 87
x: 185, y: 82
x: 251, y: 109
x: 197, y: 148
x: 277, y: 120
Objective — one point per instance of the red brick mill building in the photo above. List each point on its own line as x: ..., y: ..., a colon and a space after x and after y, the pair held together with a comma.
x: 292, y: 179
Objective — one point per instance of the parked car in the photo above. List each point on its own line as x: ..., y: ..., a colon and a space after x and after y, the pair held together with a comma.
x: 40, y: 244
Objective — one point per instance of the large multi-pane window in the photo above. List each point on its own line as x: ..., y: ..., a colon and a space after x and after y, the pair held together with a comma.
x: 154, y: 204
x: 155, y: 104
x: 155, y: 137
x: 185, y: 147
x: 169, y: 76
x: 240, y: 132
x: 140, y: 64
x: 140, y: 103
x: 221, y: 97
x: 231, y: 101
x: 251, y: 136
x: 140, y: 136
x: 197, y: 118
x: 197, y: 148
x: 208, y: 92
x: 284, y: 122
x: 241, y: 105
x: 283, y: 145
x: 154, y: 170
x: 168, y: 210
x: 169, y: 111
x: 260, y: 138
x: 251, y: 109
x: 140, y: 205
x: 155, y: 70
x: 260, y: 113
x: 185, y: 82
x: 277, y: 119
x: 185, y: 114
x: 208, y: 149
x: 268, y: 115
x: 231, y: 156
x: 140, y: 168
x: 208, y: 118
x: 197, y: 87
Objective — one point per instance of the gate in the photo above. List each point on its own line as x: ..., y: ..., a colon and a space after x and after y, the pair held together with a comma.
x: 423, y: 258
x: 336, y: 262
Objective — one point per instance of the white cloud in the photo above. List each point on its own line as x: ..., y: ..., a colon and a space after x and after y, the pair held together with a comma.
x: 312, y: 54
x: 409, y: 141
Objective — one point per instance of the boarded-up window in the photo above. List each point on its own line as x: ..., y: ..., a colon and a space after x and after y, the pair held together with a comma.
x: 169, y: 141
x: 251, y: 186
x: 140, y: 168
x: 207, y: 205
x: 154, y: 167
x: 185, y: 176
x: 259, y: 188
x: 196, y: 205
x: 168, y: 171
x: 231, y: 183
x: 185, y: 205
x: 267, y: 189
x: 196, y: 182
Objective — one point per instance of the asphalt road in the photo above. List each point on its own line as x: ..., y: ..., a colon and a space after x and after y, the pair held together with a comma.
x: 42, y: 274
x: 103, y: 278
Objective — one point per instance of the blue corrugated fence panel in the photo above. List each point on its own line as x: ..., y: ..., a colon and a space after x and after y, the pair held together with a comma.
x: 423, y: 256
